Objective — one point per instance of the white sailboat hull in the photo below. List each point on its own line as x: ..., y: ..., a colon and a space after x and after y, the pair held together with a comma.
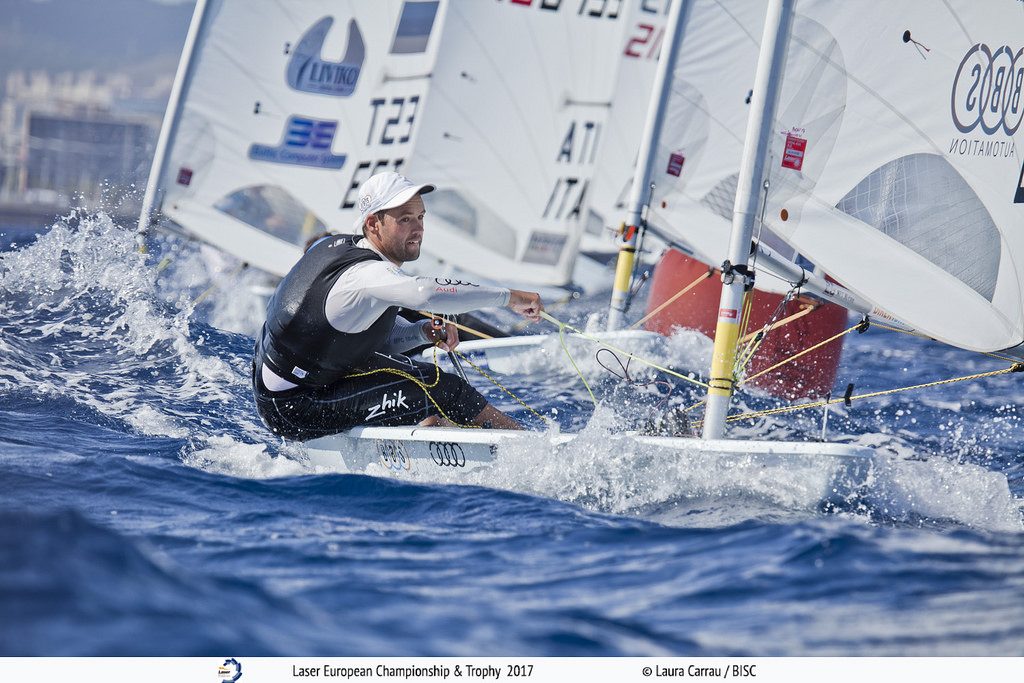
x: 837, y: 471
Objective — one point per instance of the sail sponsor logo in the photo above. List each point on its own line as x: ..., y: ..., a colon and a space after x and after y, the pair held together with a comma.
x: 974, y: 147
x: 675, y: 164
x: 794, y: 148
x: 793, y: 154
x: 1018, y: 198
x: 306, y: 142
x: 309, y: 72
x: 987, y: 90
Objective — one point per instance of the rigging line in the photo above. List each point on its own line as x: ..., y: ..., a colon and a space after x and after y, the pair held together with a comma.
x: 670, y: 300
x: 561, y: 340
x: 496, y: 383
x: 560, y: 324
x: 458, y: 326
x: 798, y: 355
x: 1016, y: 367
x: 568, y: 298
x: 759, y: 336
x: 807, y: 308
x: 990, y: 354
x: 698, y: 404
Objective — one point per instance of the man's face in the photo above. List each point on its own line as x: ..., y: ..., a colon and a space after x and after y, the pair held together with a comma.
x: 401, y: 231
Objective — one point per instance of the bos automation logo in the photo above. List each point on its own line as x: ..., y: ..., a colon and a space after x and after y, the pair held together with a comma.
x: 987, y: 90
x: 306, y: 142
x: 309, y: 72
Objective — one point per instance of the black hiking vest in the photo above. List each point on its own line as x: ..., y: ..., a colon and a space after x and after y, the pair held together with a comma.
x: 297, y: 342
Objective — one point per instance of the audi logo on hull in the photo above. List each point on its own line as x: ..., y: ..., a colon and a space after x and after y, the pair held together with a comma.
x: 447, y: 454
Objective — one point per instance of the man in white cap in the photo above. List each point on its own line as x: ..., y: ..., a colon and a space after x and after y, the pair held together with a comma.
x: 330, y: 354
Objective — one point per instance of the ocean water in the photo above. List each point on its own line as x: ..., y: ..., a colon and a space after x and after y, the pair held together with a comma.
x: 144, y: 510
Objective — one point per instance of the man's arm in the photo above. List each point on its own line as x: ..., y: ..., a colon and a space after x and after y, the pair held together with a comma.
x: 406, y: 335
x: 366, y: 289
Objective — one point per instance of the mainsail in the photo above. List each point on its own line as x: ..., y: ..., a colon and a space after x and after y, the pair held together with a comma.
x: 640, y: 48
x: 698, y: 151
x: 518, y: 107
x: 281, y: 110
x: 897, y: 163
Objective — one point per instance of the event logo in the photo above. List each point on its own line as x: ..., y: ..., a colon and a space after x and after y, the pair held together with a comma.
x: 306, y: 142
x: 230, y: 671
x: 309, y: 72
x: 987, y: 90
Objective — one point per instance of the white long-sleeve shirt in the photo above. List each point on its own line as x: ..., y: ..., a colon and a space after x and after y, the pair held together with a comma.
x: 365, y: 290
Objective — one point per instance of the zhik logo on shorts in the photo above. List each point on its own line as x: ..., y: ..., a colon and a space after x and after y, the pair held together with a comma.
x: 386, y: 404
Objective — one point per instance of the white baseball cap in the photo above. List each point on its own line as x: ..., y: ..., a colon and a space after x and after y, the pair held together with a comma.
x: 386, y: 191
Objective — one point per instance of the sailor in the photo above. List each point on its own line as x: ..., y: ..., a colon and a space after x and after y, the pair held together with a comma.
x: 330, y: 355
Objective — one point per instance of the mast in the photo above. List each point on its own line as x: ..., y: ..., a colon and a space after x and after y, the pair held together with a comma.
x: 771, y: 63
x: 169, y: 127
x: 645, y: 160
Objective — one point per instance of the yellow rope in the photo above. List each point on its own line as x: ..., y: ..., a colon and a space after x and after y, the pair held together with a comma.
x: 458, y: 326
x: 745, y: 352
x: 698, y: 404
x: 561, y: 325
x: 1017, y: 367
x: 763, y: 332
x: 669, y: 301
x: 561, y: 340
x: 807, y: 308
x: 499, y: 385
x: 798, y: 355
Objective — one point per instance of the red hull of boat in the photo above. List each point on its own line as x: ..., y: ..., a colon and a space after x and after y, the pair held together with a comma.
x: 811, y: 375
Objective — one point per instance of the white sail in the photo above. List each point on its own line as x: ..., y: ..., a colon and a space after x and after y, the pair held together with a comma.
x: 697, y: 153
x: 519, y: 103
x: 286, y: 107
x: 898, y: 160
x: 640, y: 47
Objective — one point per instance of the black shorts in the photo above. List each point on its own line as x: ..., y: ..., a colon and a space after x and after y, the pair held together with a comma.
x: 379, y: 399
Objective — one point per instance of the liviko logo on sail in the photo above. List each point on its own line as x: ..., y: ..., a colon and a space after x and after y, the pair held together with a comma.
x: 988, y: 98
x: 309, y: 72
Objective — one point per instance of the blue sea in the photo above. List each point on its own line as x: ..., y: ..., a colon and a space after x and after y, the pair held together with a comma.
x: 144, y: 509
